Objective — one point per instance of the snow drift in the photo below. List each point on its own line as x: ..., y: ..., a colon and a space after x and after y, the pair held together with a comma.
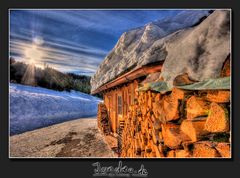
x: 35, y: 107
x: 133, y: 44
x: 199, y: 51
x: 193, y: 42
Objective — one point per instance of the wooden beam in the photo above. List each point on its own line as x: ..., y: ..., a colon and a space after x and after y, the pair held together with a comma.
x: 129, y: 76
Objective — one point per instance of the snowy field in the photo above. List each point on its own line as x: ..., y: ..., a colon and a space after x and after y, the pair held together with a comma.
x: 35, y: 107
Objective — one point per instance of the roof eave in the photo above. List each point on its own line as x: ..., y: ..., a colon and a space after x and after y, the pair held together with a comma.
x: 129, y: 76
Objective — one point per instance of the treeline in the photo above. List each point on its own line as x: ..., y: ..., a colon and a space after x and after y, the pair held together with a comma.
x: 48, y: 77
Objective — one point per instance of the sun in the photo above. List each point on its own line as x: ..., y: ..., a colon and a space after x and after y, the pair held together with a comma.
x: 38, y: 40
x: 33, y: 53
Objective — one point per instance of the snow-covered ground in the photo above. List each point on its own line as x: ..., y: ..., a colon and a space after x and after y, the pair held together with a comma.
x: 35, y: 107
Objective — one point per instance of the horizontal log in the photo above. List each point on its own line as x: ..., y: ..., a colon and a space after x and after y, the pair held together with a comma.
x: 217, y: 120
x: 224, y: 149
x: 218, y: 96
x: 204, y: 150
x: 179, y: 94
x: 171, y: 154
x: 182, y: 154
x: 194, y: 129
x: 170, y: 109
x: 172, y: 135
x: 196, y: 107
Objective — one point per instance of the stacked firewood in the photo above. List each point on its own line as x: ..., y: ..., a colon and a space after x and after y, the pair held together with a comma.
x: 180, y: 123
x: 103, y: 119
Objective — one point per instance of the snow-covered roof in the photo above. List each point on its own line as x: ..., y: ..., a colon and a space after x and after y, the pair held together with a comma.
x: 199, y: 50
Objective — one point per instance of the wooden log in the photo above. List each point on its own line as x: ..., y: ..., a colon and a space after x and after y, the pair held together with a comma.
x: 204, y: 150
x: 161, y: 137
x: 218, y: 96
x: 172, y: 135
x: 152, y: 154
x: 153, y: 95
x: 157, y: 108
x: 103, y: 119
x: 157, y: 125
x: 149, y: 100
x: 170, y: 109
x: 187, y: 145
x: 155, y: 136
x: 179, y: 93
x: 196, y: 107
x: 194, y: 129
x: 182, y: 154
x: 224, y: 149
x: 138, y: 148
x: 217, y: 120
x: 144, y: 110
x: 162, y: 148
x: 171, y: 154
x: 157, y: 151
x: 158, y: 97
x: 148, y: 149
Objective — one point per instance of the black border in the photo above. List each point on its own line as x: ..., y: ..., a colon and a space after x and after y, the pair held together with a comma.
x: 82, y: 167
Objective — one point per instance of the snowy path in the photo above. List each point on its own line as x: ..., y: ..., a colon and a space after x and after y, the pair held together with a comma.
x: 35, y: 107
x: 78, y: 138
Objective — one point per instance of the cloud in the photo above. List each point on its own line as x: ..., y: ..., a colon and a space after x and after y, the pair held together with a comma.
x: 60, y: 57
x: 74, y: 40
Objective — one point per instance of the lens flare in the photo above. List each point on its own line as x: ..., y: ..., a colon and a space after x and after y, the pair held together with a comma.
x: 33, y: 55
x: 38, y: 40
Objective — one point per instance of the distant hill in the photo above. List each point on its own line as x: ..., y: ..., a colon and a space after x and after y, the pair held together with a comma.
x: 48, y: 77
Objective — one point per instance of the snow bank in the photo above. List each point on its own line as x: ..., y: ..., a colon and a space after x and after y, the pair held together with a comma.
x: 130, y: 50
x: 35, y: 107
x: 200, y: 51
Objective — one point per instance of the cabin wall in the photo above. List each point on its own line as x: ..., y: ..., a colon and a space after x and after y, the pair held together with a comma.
x: 127, y: 93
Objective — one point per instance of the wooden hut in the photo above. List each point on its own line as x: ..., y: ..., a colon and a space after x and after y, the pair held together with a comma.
x: 119, y: 94
x: 171, y: 98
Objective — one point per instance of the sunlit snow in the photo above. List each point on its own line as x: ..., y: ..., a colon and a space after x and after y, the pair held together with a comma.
x: 35, y: 107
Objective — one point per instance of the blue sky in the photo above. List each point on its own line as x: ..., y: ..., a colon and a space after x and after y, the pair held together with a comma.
x: 73, y: 40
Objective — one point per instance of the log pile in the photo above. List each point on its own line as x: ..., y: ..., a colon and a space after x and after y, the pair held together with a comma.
x: 103, y: 119
x: 180, y: 123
